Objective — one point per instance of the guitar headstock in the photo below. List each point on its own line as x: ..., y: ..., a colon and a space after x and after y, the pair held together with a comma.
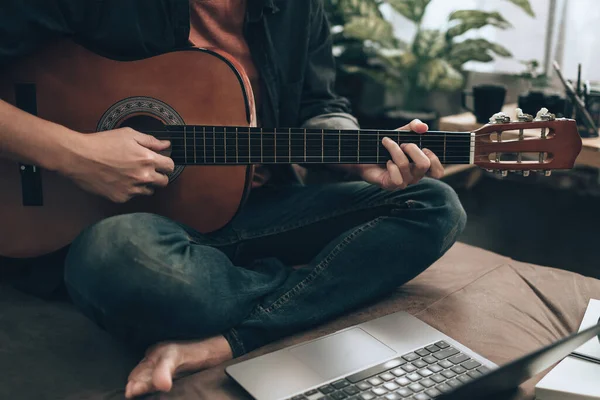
x: 541, y: 143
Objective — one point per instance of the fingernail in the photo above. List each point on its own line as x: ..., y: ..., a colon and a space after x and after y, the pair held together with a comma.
x: 386, y: 139
x: 426, y: 151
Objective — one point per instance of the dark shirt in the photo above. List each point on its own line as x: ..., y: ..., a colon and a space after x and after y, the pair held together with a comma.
x: 289, y: 40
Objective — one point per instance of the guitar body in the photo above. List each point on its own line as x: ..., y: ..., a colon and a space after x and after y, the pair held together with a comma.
x: 85, y: 92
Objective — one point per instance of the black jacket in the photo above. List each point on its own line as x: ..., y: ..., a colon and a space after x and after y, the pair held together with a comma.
x: 289, y: 40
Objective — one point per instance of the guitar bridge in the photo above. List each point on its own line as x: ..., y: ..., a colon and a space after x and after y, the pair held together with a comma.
x: 31, y: 178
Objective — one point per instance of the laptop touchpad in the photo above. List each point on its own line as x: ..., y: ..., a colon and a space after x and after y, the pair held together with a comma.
x: 342, y: 353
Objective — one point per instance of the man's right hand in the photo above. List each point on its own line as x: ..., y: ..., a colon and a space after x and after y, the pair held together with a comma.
x: 118, y: 164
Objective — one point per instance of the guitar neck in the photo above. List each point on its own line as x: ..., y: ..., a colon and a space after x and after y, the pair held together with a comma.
x: 218, y: 145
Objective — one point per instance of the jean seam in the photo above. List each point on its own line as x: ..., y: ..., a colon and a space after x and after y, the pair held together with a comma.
x: 449, y: 238
x: 319, y: 268
x: 308, y: 221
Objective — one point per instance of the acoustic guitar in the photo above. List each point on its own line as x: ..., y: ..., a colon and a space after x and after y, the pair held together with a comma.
x: 202, y: 102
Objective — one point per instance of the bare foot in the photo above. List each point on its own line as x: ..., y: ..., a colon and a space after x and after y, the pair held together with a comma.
x: 165, y: 361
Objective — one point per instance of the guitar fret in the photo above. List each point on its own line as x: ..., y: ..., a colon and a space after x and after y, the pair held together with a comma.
x: 204, y: 147
x: 185, y: 144
x: 290, y: 145
x: 358, y: 147
x: 249, y: 147
x: 214, y: 145
x: 378, y: 144
x: 195, y: 159
x: 444, y: 148
x: 304, y: 145
x: 225, y: 144
x: 237, y: 148
x: 275, y: 145
x: 339, y: 145
x: 322, y: 145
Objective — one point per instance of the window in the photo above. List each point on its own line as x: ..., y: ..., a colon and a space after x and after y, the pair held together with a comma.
x: 580, y: 42
x: 565, y: 30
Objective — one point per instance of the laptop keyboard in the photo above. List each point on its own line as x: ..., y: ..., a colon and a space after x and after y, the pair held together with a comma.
x: 420, y: 375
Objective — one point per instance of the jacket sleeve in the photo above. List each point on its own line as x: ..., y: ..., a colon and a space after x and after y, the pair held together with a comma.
x: 320, y: 106
x: 27, y: 24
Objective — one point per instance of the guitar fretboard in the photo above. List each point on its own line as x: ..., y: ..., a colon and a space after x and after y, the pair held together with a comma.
x: 217, y: 145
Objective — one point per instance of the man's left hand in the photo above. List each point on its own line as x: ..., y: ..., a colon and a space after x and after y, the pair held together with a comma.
x: 398, y: 173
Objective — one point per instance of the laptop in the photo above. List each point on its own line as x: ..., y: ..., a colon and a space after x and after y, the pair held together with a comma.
x: 393, y: 357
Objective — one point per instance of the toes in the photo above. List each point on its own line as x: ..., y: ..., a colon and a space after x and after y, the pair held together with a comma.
x: 162, y: 377
x: 137, y: 388
x: 140, y: 369
x: 140, y: 379
x: 154, y: 373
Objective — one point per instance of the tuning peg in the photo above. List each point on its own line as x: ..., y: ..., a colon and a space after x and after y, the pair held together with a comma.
x: 544, y: 115
x: 522, y: 117
x: 499, y: 118
x: 504, y: 173
x: 547, y: 173
x: 526, y: 173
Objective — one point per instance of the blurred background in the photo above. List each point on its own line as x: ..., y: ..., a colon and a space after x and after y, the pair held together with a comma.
x: 438, y: 59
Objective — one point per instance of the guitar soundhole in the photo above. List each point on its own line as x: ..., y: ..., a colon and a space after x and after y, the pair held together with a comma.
x: 148, y: 125
x: 145, y: 114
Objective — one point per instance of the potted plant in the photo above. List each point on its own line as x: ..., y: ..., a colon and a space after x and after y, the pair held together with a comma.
x: 365, y: 47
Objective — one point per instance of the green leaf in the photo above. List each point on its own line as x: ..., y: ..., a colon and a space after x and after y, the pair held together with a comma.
x: 377, y: 30
x: 525, y: 5
x: 397, y: 64
x: 475, y: 50
x: 500, y: 50
x: 413, y: 10
x: 359, y: 8
x: 452, y: 80
x: 439, y: 74
x: 465, y: 20
x: 429, y: 74
x: 430, y: 43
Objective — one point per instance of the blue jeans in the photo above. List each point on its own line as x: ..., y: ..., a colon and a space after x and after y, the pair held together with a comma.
x: 147, y: 279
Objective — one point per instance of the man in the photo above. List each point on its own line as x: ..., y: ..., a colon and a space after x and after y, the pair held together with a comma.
x: 295, y: 256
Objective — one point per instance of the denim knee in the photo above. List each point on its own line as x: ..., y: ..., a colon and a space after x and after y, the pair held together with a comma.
x: 435, y: 211
x: 141, y: 277
x: 114, y: 241
x: 104, y: 263
x: 448, y: 217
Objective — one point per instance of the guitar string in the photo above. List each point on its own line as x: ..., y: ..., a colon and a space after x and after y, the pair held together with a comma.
x: 332, y: 134
x: 366, y: 147
x: 301, y: 134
